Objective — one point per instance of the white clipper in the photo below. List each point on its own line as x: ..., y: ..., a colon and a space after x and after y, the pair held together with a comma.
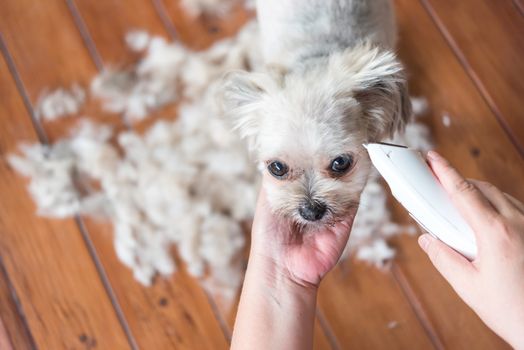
x: 415, y: 186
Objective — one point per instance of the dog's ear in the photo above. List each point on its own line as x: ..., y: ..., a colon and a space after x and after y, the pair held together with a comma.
x: 377, y: 81
x: 242, y: 95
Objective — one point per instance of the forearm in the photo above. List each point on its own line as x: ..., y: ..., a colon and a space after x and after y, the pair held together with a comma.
x: 274, y: 312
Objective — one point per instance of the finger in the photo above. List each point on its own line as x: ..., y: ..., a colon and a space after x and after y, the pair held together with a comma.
x: 470, y: 202
x: 518, y: 204
x: 262, y: 205
x: 264, y: 218
x: 495, y: 196
x: 455, y: 268
x: 260, y: 208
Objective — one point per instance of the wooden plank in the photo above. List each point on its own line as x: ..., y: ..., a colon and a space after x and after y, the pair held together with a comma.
x: 474, y: 142
x: 367, y: 310
x: 14, y: 332
x: 487, y: 37
x: 445, y: 313
x: 200, y: 32
x: 173, y: 313
x: 52, y: 273
x: 320, y: 340
x: 49, y: 53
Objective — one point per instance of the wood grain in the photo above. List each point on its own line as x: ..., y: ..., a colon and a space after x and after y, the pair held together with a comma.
x: 108, y: 22
x: 487, y: 37
x: 320, y: 340
x: 47, y: 261
x: 14, y: 331
x: 474, y: 142
x: 49, y: 53
x: 367, y: 310
x: 172, y: 313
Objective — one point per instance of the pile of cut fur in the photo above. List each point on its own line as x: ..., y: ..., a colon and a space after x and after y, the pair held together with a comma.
x: 187, y: 183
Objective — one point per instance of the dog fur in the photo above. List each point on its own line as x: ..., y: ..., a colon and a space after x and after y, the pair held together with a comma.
x: 332, y: 83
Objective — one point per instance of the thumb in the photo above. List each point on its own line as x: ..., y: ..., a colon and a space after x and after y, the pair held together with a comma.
x: 454, y: 267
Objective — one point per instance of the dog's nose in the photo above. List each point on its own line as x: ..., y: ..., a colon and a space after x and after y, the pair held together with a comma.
x: 312, y: 211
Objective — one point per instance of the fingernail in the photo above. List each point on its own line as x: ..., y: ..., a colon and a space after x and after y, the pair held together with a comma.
x: 432, y: 155
x: 423, y: 242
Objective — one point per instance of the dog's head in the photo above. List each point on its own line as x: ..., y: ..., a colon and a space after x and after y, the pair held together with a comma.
x: 308, y: 126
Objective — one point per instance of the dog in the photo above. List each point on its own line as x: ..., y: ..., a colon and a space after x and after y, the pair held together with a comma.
x: 332, y: 83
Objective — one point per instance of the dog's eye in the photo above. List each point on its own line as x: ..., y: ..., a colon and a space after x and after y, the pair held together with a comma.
x: 342, y: 163
x: 277, y: 169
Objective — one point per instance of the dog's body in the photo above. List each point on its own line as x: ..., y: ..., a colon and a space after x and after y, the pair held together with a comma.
x: 294, y: 30
x: 331, y: 85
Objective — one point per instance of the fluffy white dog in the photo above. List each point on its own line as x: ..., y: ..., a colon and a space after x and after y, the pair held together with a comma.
x: 332, y: 83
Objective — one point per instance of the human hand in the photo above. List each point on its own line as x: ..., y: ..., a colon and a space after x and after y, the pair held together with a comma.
x: 492, y: 284
x: 302, y: 256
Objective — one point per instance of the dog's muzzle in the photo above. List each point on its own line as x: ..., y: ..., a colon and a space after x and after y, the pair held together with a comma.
x: 312, y: 211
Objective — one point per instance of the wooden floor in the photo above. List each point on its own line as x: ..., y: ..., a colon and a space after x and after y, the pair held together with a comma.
x: 61, y: 285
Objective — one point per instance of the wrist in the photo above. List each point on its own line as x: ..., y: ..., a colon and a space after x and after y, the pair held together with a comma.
x: 283, y: 309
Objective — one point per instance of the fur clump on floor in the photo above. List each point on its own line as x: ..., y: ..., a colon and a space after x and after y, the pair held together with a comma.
x: 169, y: 72
x: 60, y: 103
x: 187, y: 183
x: 138, y: 40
